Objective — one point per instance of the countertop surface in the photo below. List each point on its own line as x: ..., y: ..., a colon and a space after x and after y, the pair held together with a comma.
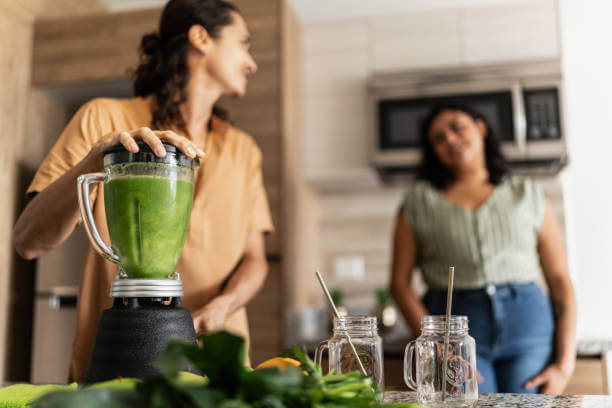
x: 510, y: 400
x: 521, y: 400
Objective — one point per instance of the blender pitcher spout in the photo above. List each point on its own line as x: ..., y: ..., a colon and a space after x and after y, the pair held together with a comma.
x: 83, y: 182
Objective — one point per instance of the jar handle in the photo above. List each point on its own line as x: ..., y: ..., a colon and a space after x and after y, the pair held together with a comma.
x: 83, y: 182
x: 408, y: 365
x: 318, y: 357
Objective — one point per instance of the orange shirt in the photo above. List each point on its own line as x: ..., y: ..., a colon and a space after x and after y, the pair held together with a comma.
x: 229, y: 201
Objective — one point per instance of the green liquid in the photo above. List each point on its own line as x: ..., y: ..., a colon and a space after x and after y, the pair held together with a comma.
x: 147, y: 219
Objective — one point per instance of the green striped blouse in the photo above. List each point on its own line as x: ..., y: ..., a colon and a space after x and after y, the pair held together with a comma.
x: 495, y: 244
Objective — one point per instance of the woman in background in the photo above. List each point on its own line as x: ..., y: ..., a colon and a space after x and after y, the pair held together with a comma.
x: 500, y: 233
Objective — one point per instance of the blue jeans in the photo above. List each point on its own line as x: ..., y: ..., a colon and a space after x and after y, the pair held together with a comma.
x: 513, y: 326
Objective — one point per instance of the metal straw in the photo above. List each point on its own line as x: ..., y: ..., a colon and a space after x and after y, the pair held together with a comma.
x: 449, y: 301
x: 333, y: 306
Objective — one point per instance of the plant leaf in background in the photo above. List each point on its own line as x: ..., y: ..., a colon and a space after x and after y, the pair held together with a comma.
x: 337, y: 297
x: 383, y: 296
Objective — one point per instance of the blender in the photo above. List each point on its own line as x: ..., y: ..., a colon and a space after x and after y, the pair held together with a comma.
x: 148, y: 202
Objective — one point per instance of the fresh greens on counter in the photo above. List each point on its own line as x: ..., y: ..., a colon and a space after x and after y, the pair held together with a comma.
x: 230, y: 383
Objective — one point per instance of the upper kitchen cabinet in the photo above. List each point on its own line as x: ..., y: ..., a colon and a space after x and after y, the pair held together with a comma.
x: 458, y: 36
x: 415, y: 40
x: 502, y: 33
x: 99, y: 47
x: 335, y: 74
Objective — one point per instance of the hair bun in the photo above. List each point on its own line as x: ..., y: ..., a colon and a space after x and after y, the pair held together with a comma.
x: 151, y: 44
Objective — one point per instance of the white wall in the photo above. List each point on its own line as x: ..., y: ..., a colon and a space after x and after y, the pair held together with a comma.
x: 587, y: 61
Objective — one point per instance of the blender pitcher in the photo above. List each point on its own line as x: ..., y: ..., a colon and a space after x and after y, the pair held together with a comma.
x: 148, y: 202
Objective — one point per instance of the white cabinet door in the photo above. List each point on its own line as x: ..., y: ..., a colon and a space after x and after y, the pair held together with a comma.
x: 62, y: 266
x: 415, y: 40
x: 335, y: 76
x: 52, y: 342
x: 510, y: 32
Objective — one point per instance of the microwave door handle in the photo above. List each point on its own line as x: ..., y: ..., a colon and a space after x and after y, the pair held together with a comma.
x: 520, y: 121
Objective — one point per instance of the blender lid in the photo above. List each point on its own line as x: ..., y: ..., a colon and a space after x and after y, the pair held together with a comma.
x: 174, y: 156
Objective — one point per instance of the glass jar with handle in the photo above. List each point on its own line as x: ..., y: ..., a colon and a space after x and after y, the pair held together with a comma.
x: 461, y: 376
x: 362, y: 332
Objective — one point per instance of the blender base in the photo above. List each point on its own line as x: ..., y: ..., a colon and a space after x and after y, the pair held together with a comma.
x: 130, y: 336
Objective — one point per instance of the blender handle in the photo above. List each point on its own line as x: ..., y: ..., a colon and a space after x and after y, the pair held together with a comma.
x: 83, y: 182
x: 318, y: 357
x: 408, y: 365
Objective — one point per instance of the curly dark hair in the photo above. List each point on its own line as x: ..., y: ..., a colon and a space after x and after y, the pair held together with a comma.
x: 163, y: 67
x: 434, y: 171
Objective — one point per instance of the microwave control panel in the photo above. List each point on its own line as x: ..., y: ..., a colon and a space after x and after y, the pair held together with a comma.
x: 542, y: 114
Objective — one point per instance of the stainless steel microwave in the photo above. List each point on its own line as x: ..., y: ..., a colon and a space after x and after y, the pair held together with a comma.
x: 521, y: 101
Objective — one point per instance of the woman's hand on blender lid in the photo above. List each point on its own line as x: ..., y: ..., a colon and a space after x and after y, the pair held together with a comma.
x: 153, y: 138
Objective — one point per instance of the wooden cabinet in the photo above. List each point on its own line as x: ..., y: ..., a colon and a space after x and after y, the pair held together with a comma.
x: 416, y: 40
x: 266, y: 317
x: 510, y: 33
x: 90, y: 48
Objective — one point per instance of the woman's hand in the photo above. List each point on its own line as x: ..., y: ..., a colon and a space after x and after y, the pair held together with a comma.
x: 212, y: 317
x: 153, y: 138
x: 553, y: 380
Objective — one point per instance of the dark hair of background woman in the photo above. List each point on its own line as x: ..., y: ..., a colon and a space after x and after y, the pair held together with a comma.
x: 163, y: 56
x: 434, y: 171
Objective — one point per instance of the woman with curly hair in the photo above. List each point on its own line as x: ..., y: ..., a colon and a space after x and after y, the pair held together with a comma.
x: 200, y: 53
x: 500, y: 233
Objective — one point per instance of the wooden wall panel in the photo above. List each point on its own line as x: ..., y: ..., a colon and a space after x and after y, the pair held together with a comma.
x: 65, y: 8
x: 266, y: 317
x: 258, y: 113
x: 15, y: 49
x: 89, y: 48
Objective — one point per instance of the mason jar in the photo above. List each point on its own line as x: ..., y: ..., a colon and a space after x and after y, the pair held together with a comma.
x: 428, y: 363
x: 363, y: 334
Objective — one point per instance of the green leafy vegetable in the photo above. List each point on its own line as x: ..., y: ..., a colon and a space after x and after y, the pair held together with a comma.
x: 230, y: 383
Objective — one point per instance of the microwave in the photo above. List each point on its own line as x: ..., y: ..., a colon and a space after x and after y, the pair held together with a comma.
x: 521, y: 101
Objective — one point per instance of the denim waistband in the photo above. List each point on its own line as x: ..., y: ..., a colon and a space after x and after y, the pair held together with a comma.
x: 512, y: 289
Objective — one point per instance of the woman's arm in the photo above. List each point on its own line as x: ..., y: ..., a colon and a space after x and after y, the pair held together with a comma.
x: 404, y: 260
x: 242, y: 286
x: 554, y: 265
x: 51, y: 216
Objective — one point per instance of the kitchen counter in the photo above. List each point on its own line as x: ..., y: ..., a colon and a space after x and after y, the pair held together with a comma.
x: 521, y: 400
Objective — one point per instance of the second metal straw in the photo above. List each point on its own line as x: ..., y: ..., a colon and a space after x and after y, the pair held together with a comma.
x: 449, y: 302
x: 337, y: 316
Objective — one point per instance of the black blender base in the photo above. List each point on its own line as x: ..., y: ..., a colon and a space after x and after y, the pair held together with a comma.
x: 130, y: 337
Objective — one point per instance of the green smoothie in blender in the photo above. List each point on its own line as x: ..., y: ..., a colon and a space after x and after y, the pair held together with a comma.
x: 147, y: 218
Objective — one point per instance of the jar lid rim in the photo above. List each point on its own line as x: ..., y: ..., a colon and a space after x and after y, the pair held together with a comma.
x: 442, y: 318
